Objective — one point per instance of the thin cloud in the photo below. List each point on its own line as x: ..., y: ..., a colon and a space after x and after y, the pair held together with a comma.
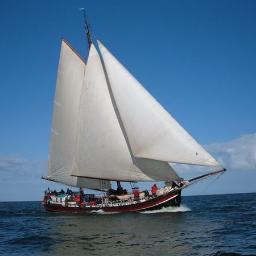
x: 236, y: 155
x: 10, y: 164
x: 19, y: 168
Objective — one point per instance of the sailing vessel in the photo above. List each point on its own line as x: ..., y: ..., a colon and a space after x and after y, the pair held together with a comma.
x: 107, y: 127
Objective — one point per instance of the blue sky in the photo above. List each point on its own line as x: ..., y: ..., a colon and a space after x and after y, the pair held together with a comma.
x: 198, y: 59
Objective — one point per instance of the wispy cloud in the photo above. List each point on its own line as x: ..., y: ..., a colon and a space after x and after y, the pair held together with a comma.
x: 12, y: 163
x: 237, y: 154
x: 19, y: 168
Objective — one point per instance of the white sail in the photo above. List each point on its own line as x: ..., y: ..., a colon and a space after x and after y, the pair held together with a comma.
x: 102, y: 150
x: 152, y: 132
x: 156, y: 170
x: 70, y: 78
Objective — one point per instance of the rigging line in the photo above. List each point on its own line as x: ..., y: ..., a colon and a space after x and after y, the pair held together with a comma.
x: 206, y: 175
x: 212, y: 182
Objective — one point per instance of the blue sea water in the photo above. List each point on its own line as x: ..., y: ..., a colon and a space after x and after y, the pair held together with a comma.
x: 204, y: 225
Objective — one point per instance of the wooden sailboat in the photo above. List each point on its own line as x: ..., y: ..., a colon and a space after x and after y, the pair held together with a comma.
x: 107, y: 127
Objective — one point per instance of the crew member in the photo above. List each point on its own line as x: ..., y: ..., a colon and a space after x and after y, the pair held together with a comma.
x: 119, y: 190
x: 81, y: 194
x: 154, y: 189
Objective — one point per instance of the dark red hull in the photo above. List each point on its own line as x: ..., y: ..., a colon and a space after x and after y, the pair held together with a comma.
x: 171, y: 199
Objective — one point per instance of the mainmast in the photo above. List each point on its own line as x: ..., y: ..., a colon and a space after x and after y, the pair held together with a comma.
x: 87, y: 28
x: 89, y: 40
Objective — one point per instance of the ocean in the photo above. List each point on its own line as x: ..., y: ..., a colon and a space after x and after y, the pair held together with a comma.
x: 203, y: 225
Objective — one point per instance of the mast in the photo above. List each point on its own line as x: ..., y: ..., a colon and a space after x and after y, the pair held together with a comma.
x: 89, y: 41
x: 87, y: 29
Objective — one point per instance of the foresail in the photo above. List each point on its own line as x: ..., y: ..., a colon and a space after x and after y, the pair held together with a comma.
x: 101, y: 150
x: 152, y: 132
x: 70, y: 77
x: 156, y: 170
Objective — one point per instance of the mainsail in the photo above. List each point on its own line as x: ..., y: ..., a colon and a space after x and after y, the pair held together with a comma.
x: 70, y: 78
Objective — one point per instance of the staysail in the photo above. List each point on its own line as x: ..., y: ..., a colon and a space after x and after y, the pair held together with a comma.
x: 152, y: 132
x: 70, y: 78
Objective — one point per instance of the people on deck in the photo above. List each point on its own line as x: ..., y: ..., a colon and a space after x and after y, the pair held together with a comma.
x: 69, y: 191
x: 154, y: 189
x: 81, y: 195
x: 136, y: 193
x: 80, y: 198
x: 120, y: 190
x: 175, y: 184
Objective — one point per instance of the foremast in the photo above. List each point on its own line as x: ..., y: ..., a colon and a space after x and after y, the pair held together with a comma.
x: 87, y: 29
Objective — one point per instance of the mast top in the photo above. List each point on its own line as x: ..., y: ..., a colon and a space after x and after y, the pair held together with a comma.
x: 87, y: 28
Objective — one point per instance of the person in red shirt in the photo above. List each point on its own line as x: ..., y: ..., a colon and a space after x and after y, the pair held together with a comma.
x: 154, y: 189
x: 136, y: 193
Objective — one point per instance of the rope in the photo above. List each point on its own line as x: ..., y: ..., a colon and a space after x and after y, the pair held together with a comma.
x: 213, y: 181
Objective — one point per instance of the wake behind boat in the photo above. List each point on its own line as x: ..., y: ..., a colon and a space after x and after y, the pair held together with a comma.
x: 107, y: 127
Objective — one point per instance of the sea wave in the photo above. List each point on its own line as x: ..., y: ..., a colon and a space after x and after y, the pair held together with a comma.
x: 202, y: 226
x: 181, y: 208
x: 102, y: 212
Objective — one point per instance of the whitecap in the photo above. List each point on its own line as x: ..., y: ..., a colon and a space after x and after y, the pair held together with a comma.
x: 181, y: 208
x: 100, y: 211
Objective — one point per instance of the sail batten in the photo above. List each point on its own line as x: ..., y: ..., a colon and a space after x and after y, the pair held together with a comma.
x: 153, y: 133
